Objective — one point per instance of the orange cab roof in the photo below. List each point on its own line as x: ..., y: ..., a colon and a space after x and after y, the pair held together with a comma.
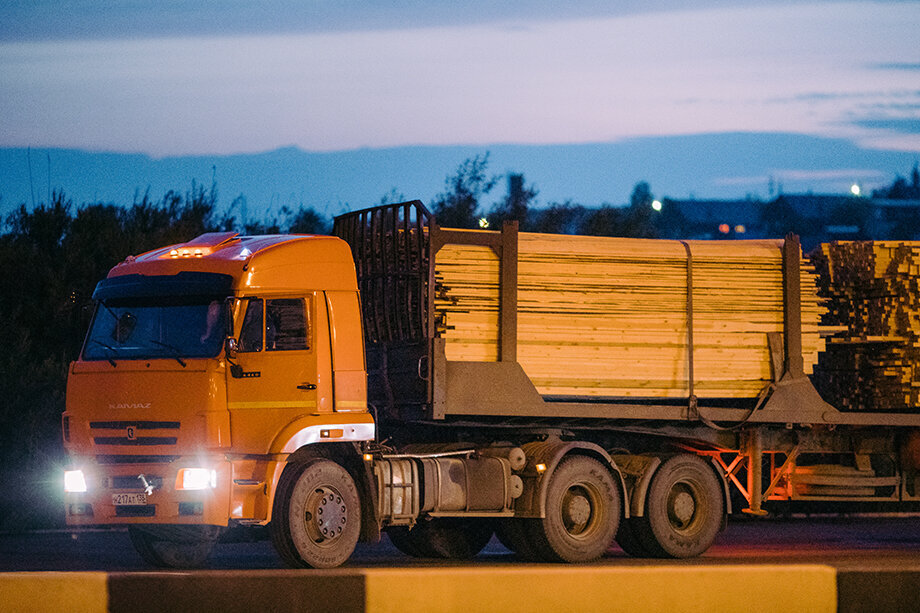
x: 278, y: 262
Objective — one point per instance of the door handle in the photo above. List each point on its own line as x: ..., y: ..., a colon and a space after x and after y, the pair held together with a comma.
x: 306, y: 386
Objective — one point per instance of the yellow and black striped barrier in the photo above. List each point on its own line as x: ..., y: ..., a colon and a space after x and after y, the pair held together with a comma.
x: 670, y: 589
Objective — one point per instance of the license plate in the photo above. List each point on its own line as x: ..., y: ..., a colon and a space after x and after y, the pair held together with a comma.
x: 127, y: 500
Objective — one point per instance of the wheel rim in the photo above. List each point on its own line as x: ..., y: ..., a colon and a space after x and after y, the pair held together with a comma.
x: 683, y: 506
x: 579, y: 510
x: 325, y: 516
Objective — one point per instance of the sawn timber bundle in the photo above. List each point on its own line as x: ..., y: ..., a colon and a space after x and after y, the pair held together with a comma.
x: 874, y: 292
x: 608, y: 317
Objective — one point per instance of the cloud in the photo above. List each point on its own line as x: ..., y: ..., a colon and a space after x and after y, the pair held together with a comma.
x: 43, y: 20
x: 909, y: 125
x: 895, y: 66
x: 780, y: 175
x: 838, y: 96
x: 103, y: 19
x: 586, y: 80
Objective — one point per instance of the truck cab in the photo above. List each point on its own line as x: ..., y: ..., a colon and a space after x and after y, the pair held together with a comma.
x: 207, y: 365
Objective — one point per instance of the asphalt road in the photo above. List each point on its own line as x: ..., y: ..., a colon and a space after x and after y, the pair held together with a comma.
x: 878, y: 543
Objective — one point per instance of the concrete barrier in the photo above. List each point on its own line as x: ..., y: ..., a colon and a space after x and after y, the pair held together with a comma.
x: 878, y: 590
x: 689, y: 589
x: 48, y: 591
x: 723, y: 588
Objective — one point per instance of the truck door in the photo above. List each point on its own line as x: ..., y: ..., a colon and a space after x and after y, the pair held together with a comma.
x: 274, y: 379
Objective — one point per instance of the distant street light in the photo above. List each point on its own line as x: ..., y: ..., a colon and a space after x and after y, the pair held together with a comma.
x: 656, y: 204
x: 854, y: 189
x: 483, y: 222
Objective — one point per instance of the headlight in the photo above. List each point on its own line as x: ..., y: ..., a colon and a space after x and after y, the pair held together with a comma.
x: 74, y: 481
x: 196, y: 479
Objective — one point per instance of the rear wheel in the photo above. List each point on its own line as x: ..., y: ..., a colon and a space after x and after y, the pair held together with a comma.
x: 179, y: 547
x: 630, y: 540
x: 316, y: 518
x: 583, y: 506
x: 513, y: 532
x: 684, y: 510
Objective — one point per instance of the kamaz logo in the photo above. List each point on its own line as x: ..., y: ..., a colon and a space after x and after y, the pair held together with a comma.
x: 130, y: 405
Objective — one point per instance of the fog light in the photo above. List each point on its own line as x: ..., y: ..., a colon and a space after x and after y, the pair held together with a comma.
x: 74, y: 481
x: 191, y: 508
x: 80, y: 508
x: 196, y: 479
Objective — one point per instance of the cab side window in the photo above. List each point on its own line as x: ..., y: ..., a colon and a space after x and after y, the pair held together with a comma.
x: 286, y: 325
x: 251, y: 334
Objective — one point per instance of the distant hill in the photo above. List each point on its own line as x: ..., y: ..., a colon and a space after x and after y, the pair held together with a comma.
x: 731, y: 165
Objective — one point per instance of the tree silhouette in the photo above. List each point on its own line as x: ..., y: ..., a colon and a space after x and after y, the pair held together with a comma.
x: 558, y: 218
x: 516, y: 205
x: 52, y: 259
x: 307, y: 221
x: 458, y: 205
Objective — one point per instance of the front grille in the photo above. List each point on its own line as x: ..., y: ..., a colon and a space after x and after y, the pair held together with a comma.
x: 140, y: 425
x: 127, y: 433
x: 144, y: 510
x: 134, y: 482
x: 136, y: 459
x: 141, y: 441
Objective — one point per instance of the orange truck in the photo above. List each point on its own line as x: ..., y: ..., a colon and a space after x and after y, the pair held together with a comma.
x: 305, y: 383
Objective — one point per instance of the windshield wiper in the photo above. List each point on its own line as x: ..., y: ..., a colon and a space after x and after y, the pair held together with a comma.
x: 176, y: 351
x: 110, y: 359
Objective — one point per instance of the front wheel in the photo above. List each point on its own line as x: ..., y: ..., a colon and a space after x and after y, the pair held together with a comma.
x: 583, y: 506
x: 684, y: 510
x: 163, y: 547
x: 316, y: 519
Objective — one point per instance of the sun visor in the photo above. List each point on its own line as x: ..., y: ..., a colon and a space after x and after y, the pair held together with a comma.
x: 186, y: 283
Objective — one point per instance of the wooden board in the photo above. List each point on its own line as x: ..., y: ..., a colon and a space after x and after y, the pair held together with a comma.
x: 873, y: 294
x: 602, y: 316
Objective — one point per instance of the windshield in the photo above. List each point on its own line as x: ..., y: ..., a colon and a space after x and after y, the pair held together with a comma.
x: 126, y: 329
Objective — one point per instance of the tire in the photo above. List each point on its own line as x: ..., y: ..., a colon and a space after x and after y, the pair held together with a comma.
x: 583, y: 508
x: 446, y: 538
x: 407, y: 541
x: 514, y: 533
x: 630, y: 541
x: 684, y: 510
x: 164, y: 550
x: 316, y: 519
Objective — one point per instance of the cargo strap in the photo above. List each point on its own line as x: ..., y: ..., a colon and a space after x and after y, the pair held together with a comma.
x: 693, y: 402
x: 694, y: 409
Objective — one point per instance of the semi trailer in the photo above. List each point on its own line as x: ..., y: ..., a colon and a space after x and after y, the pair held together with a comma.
x: 443, y: 386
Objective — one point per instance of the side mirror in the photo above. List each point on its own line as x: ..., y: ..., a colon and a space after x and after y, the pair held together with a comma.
x: 232, y: 347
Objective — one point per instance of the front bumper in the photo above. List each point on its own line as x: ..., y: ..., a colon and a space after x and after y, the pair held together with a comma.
x: 145, y: 493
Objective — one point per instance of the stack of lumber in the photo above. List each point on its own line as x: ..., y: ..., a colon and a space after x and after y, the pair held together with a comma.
x: 607, y: 317
x: 874, y: 293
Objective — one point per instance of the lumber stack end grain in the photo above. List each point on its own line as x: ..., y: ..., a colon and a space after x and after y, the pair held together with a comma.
x: 872, y: 287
